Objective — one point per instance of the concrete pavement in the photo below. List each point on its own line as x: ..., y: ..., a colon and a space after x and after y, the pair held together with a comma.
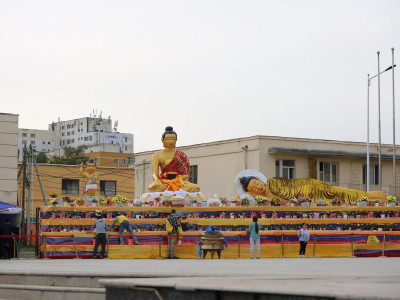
x: 341, y: 278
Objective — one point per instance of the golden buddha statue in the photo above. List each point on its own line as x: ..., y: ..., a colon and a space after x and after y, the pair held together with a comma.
x: 303, y: 187
x: 92, y: 188
x: 174, y: 165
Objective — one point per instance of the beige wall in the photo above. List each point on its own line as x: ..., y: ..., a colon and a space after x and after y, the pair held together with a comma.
x: 52, y: 175
x: 8, y: 157
x: 219, y: 162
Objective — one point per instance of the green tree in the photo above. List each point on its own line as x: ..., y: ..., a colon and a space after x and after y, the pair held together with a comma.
x: 72, y: 156
x: 42, y: 158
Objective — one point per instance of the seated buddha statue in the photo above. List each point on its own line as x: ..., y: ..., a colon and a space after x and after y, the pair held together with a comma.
x: 302, y: 187
x: 174, y: 166
x: 92, y: 188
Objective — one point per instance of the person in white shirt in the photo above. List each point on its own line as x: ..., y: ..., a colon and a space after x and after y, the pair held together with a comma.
x: 304, y: 237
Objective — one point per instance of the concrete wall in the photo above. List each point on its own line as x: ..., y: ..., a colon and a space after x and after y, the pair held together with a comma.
x: 8, y: 157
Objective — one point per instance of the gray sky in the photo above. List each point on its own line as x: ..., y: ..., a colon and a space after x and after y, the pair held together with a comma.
x: 212, y: 69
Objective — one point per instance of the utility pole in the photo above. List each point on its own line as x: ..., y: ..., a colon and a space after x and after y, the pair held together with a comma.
x: 40, y: 182
x: 28, y: 215
x: 24, y: 181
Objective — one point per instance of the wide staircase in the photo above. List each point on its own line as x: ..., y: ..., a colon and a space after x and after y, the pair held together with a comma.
x: 25, y: 285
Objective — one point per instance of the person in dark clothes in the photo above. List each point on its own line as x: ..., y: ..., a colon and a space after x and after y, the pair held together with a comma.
x: 7, y: 243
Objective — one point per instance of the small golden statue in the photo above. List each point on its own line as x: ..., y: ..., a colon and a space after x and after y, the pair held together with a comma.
x: 174, y: 165
x: 92, y: 187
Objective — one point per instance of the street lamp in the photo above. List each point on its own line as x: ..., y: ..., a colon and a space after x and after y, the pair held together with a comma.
x: 379, y: 103
x: 394, y: 129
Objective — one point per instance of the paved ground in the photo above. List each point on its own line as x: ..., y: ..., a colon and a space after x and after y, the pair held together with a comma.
x: 358, y: 278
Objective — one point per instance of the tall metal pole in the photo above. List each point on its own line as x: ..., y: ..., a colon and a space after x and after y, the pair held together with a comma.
x: 368, y: 135
x: 394, y: 130
x: 28, y: 214
x: 379, y: 121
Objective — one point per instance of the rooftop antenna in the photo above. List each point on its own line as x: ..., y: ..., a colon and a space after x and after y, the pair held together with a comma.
x: 115, y: 126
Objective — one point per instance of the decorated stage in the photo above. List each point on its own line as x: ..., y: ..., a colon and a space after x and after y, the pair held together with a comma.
x: 340, y: 231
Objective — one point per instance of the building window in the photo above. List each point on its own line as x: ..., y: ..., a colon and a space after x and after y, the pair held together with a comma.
x: 63, y: 134
x: 131, y: 160
x: 43, y: 142
x: 48, y: 143
x: 116, y: 161
x: 62, y: 127
x: 90, y: 138
x: 86, y: 138
x: 24, y: 134
x: 70, y: 186
x: 373, y: 174
x: 284, y: 168
x: 68, y: 133
x: 124, y: 161
x: 108, y: 188
x: 23, y: 142
x: 73, y: 141
x: 72, y: 132
x: 328, y: 172
x: 193, y: 174
x: 126, y: 148
x: 126, y: 140
x: 63, y: 142
x: 32, y: 142
x: 33, y: 135
x: 81, y: 123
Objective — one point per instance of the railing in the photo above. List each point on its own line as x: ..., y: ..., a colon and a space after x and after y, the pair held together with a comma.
x: 273, y: 244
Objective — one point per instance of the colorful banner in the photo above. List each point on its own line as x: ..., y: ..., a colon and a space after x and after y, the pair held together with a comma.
x: 273, y: 244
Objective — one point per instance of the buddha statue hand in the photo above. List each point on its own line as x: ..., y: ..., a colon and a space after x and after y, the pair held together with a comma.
x: 190, y: 187
x: 156, y: 186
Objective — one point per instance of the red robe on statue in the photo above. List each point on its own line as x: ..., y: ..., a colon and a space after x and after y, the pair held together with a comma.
x: 179, y: 164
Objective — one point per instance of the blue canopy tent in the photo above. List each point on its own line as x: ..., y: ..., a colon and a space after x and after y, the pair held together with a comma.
x: 10, y: 212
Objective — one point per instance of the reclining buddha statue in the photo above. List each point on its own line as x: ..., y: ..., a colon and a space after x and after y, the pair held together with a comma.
x: 174, y: 166
x: 303, y: 187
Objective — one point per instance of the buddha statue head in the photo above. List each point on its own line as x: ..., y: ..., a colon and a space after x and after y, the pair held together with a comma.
x: 91, y: 166
x: 169, y: 138
x: 253, y: 185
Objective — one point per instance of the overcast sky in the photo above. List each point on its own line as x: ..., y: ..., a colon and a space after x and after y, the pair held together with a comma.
x: 214, y: 70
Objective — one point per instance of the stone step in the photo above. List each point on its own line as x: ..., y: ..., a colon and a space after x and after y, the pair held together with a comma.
x: 51, y: 280
x: 43, y: 292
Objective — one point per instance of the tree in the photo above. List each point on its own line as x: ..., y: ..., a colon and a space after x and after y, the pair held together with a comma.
x: 72, y: 156
x: 42, y: 158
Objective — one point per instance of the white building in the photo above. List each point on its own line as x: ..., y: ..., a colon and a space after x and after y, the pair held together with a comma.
x: 93, y: 132
x: 8, y: 157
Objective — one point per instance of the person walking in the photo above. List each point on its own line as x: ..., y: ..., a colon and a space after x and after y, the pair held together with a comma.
x: 304, y: 237
x: 101, y: 235
x: 172, y: 231
x: 254, y: 231
x: 123, y: 222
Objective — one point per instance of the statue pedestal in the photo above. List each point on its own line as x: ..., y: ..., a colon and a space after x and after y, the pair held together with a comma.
x: 165, y: 198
